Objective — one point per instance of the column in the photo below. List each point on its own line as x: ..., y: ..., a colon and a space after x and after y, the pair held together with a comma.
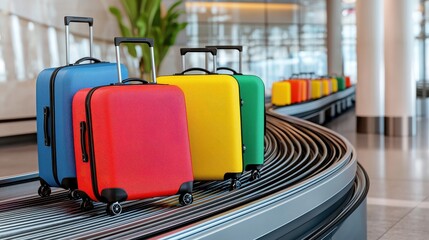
x: 400, y: 104
x: 334, y: 36
x: 370, y: 74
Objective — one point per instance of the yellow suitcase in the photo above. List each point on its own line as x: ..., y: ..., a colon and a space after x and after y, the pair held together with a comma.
x: 281, y: 93
x: 316, y: 89
x: 214, y: 122
x: 334, y: 83
x: 326, y: 82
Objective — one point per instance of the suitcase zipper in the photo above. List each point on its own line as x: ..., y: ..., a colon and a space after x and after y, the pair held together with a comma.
x: 52, y: 123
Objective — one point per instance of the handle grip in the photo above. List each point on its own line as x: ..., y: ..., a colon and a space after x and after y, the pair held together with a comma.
x: 95, y: 60
x: 229, y: 69
x: 227, y: 47
x: 149, y: 41
x: 184, y: 51
x: 239, y: 48
x: 194, y: 69
x: 83, y: 141
x: 69, y: 19
x: 46, y: 125
x: 135, y: 80
x: 119, y: 40
x: 213, y: 51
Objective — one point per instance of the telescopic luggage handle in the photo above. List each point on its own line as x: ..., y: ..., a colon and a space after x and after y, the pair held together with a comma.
x: 148, y: 41
x: 239, y: 48
x: 67, y: 21
x: 184, y: 51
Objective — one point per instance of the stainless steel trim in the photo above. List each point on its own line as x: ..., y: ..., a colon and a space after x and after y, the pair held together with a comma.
x: 400, y: 126
x: 371, y: 125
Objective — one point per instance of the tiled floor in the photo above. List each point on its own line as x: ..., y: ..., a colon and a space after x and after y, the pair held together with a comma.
x: 398, y: 200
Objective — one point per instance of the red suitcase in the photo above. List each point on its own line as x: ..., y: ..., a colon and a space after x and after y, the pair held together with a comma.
x: 131, y: 141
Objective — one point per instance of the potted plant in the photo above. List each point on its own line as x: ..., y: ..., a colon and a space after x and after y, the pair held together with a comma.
x: 146, y: 18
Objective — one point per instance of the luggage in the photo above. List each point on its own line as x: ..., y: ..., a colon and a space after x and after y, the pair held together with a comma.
x: 252, y: 94
x: 55, y: 88
x: 316, y: 88
x: 348, y: 82
x: 334, y: 84
x: 326, y: 83
x: 281, y: 93
x: 341, y: 83
x: 214, y: 117
x: 131, y: 141
x: 296, y: 90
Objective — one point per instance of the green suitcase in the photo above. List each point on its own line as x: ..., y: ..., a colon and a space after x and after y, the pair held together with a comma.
x: 252, y: 94
x: 341, y: 83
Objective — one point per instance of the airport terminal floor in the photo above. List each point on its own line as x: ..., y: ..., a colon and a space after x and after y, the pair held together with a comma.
x: 398, y: 199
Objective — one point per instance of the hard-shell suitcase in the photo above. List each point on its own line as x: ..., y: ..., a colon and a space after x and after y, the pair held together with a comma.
x: 334, y: 83
x: 214, y: 117
x: 326, y: 83
x: 341, y: 83
x: 252, y: 94
x: 316, y: 88
x: 281, y: 93
x: 348, y: 82
x: 55, y: 88
x: 296, y: 90
x: 131, y: 141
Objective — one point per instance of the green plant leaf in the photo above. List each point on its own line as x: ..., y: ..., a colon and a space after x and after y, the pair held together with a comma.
x: 173, y: 7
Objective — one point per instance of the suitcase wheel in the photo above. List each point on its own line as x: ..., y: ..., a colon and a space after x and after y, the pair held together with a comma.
x: 86, y: 205
x: 186, y: 199
x: 255, y: 175
x: 235, y: 184
x: 44, y: 191
x: 114, y: 209
x: 73, y: 194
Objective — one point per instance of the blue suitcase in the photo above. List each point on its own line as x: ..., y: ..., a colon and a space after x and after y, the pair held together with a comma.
x: 55, y: 88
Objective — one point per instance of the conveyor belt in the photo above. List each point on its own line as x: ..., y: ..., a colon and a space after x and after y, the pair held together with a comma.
x: 295, y: 152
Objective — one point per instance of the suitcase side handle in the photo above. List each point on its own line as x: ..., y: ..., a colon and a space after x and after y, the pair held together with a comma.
x: 67, y: 21
x: 149, y: 41
x: 239, y: 48
x: 184, y: 51
x: 83, y: 142
x: 46, y: 125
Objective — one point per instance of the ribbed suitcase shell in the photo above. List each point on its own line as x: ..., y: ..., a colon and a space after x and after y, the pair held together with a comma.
x: 281, y: 93
x: 56, y: 161
x: 252, y: 92
x: 138, y: 142
x: 214, y: 118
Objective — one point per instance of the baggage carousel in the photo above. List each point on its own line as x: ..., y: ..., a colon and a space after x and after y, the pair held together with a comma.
x: 311, y: 187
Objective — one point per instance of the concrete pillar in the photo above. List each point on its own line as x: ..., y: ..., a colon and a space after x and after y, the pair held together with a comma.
x: 400, y: 104
x: 370, y: 74
x: 334, y: 36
